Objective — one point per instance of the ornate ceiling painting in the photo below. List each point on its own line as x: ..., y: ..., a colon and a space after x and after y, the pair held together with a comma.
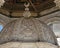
x: 15, y: 8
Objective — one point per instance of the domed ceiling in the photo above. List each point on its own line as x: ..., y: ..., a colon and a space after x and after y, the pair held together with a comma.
x: 11, y: 7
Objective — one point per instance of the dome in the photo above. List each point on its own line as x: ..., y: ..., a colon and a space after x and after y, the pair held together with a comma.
x: 27, y: 30
x: 27, y: 45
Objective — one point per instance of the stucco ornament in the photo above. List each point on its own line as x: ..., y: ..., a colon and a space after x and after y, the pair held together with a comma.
x: 2, y: 2
x: 27, y: 13
x: 57, y: 3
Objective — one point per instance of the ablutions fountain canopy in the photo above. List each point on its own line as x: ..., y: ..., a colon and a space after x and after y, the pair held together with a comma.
x: 27, y: 31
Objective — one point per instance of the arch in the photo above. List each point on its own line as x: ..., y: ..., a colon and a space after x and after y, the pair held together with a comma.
x: 52, y: 20
x: 4, y: 20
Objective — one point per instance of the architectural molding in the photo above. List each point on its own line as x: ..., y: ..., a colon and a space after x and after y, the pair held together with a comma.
x: 49, y: 11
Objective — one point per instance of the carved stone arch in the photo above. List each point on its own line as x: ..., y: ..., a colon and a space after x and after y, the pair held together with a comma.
x: 4, y: 20
x: 52, y: 20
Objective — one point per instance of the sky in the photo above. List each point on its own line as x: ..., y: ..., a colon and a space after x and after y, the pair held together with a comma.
x: 1, y: 27
x: 56, y: 27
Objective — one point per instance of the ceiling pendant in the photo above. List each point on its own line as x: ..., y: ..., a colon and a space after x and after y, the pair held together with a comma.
x: 27, y: 13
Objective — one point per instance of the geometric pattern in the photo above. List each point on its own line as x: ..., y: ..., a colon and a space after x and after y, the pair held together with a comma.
x: 27, y: 30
